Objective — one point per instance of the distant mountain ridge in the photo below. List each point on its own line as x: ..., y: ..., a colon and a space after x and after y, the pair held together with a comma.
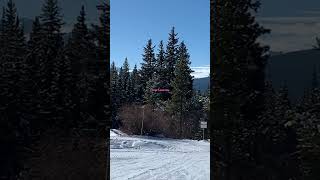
x: 201, y: 84
x: 293, y: 69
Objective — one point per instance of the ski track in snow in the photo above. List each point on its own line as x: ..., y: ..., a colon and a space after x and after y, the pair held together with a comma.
x: 144, y: 158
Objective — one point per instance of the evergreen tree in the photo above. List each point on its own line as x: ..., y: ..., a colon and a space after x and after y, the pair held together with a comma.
x: 161, y: 80
x: 182, y: 88
x: 277, y: 132
x: 150, y: 97
x: 148, y: 65
x: 115, y: 101
x: 13, y: 92
x: 13, y: 71
x: 12, y: 34
x: 34, y: 51
x: 308, y: 131
x: 135, y: 85
x: 80, y: 52
x: 33, y: 74
x: 62, y: 93
x: 124, y: 78
x: 99, y: 67
x: 237, y: 83
x: 171, y: 56
x: 50, y: 47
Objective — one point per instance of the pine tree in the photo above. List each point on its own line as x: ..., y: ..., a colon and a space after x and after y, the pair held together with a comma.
x: 35, y: 35
x: 115, y: 98
x: 171, y: 56
x: 62, y: 93
x: 150, y: 97
x: 13, y: 70
x: 276, y: 129
x: 308, y: 131
x: 79, y: 52
x: 52, y: 20
x: 124, y: 78
x: 13, y: 92
x: 33, y: 75
x: 161, y: 80
x: 13, y: 37
x: 182, y: 88
x: 50, y: 48
x: 33, y: 57
x: 135, y: 85
x: 99, y: 67
x: 237, y: 82
x: 148, y: 65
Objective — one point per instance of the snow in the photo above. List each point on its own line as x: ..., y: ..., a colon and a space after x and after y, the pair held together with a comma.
x: 143, y: 157
x: 115, y: 132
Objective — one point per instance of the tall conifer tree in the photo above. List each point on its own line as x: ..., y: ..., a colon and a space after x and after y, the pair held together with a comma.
x: 182, y: 88
x: 148, y: 64
x: 171, y: 55
x: 237, y: 79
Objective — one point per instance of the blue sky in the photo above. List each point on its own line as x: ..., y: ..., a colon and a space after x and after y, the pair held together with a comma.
x: 133, y: 22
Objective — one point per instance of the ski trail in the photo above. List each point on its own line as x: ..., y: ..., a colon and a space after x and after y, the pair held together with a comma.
x: 141, y: 158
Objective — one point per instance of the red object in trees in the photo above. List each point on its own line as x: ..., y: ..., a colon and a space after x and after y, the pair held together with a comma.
x: 160, y: 90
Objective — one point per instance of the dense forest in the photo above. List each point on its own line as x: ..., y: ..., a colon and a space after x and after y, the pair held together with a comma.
x: 160, y: 94
x: 258, y: 133
x: 50, y: 84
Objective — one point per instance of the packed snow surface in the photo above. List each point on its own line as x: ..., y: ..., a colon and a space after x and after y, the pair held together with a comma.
x: 144, y: 158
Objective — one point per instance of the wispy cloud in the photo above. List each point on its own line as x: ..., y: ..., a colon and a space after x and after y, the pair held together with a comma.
x: 291, y: 33
x: 201, y: 71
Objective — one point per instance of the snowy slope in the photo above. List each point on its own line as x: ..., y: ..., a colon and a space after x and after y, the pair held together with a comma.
x: 144, y: 158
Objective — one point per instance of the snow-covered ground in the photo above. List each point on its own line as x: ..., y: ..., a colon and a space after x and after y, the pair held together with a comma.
x: 147, y: 158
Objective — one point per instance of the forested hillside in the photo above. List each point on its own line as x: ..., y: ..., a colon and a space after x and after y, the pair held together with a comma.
x: 258, y: 132
x: 160, y: 93
x: 51, y: 89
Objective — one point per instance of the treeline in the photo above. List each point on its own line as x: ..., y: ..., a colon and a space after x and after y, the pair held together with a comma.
x: 257, y: 132
x: 175, y: 113
x: 47, y: 82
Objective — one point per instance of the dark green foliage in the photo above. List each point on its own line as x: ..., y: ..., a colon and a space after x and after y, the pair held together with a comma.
x: 46, y: 84
x: 180, y: 109
x: 13, y: 99
x: 160, y: 80
x: 182, y: 88
x: 150, y: 97
x: 134, y: 86
x: 237, y: 87
x: 79, y: 53
x: 115, y: 99
x: 171, y: 56
x: 124, y: 79
x: 258, y: 132
x: 49, y: 49
x: 98, y: 105
x: 148, y: 65
x: 308, y: 131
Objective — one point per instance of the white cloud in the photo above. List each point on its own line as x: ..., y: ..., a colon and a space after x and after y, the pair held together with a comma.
x: 201, y: 71
x: 290, y: 33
